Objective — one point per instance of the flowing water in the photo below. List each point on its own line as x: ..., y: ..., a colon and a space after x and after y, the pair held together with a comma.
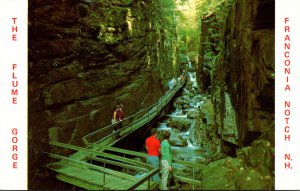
x: 190, y: 152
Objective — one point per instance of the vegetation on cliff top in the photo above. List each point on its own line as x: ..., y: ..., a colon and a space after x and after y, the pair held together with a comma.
x: 189, y: 14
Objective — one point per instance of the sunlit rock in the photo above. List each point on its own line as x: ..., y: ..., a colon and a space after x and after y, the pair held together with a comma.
x: 176, y: 139
x: 182, y: 124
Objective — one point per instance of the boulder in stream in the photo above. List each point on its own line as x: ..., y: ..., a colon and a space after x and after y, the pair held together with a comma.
x: 176, y: 139
x: 180, y: 123
x: 192, y: 114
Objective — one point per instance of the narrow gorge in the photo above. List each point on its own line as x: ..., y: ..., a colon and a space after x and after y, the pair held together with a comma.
x: 86, y: 56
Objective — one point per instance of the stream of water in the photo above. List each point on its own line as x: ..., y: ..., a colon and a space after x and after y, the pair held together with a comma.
x: 190, y: 152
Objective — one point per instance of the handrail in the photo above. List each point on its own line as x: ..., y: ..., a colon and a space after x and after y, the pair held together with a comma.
x: 144, y: 155
x: 91, y: 166
x: 119, y: 150
x: 90, y: 152
x: 106, y: 132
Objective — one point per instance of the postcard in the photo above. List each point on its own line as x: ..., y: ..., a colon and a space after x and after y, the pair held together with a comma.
x: 164, y: 94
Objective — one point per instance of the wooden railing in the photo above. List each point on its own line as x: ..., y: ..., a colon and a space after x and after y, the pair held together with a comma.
x: 135, y: 121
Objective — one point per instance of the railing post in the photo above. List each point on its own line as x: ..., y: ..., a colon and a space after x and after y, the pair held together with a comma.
x: 123, y: 167
x: 103, y: 180
x: 104, y: 173
x: 148, y: 188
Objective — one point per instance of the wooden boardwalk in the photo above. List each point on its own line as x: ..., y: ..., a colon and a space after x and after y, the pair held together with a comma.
x: 100, y: 170
x: 99, y: 166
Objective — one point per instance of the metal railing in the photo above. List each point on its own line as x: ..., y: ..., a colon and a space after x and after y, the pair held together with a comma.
x: 138, y: 119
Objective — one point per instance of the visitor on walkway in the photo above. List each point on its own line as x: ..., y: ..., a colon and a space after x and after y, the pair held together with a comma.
x: 118, y: 117
x: 166, y: 160
x: 114, y: 120
x: 153, y: 150
x: 181, y: 77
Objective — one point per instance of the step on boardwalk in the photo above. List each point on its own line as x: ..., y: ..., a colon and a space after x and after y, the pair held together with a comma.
x: 99, y: 166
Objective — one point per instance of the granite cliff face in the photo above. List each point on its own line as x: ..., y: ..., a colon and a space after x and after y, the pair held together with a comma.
x: 85, y: 57
x: 236, y: 65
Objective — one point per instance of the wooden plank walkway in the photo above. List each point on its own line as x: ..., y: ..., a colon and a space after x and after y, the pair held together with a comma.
x: 83, y: 173
x: 80, y: 171
x: 95, y: 180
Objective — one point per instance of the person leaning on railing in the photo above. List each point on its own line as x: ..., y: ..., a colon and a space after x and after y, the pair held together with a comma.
x: 166, y: 160
x: 118, y: 117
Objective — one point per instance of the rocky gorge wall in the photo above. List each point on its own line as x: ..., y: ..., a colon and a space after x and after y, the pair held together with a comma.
x: 85, y: 57
x: 236, y: 65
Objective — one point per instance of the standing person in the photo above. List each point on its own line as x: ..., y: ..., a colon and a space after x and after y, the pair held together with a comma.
x: 119, y: 116
x: 166, y: 160
x: 114, y: 120
x: 153, y: 149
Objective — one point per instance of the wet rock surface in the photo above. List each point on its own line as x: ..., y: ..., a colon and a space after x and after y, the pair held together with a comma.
x: 176, y: 139
x: 182, y: 124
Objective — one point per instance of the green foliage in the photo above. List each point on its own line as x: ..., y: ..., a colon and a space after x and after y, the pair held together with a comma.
x: 215, y: 13
x: 182, y: 57
x: 164, y: 12
x: 213, y: 6
x: 188, y: 27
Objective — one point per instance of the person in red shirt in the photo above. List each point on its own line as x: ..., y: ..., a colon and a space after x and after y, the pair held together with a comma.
x: 120, y: 115
x: 153, y: 150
